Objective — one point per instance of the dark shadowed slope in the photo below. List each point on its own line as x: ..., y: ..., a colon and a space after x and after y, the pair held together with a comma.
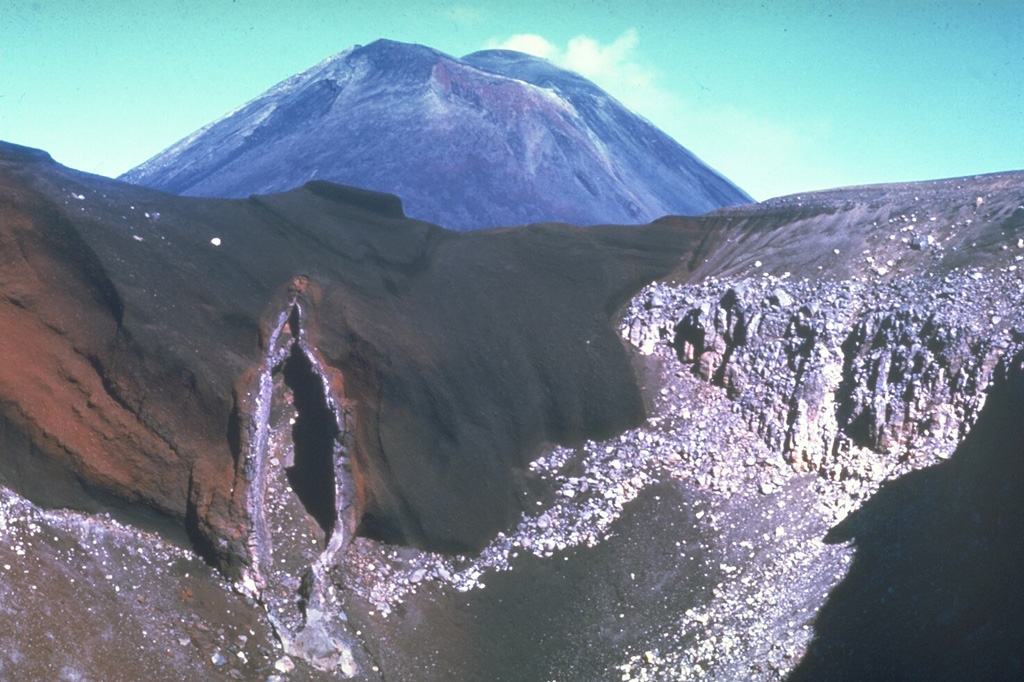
x: 138, y: 327
x: 938, y: 581
x: 496, y: 138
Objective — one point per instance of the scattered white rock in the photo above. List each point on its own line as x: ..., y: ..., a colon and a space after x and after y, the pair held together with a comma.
x: 284, y: 665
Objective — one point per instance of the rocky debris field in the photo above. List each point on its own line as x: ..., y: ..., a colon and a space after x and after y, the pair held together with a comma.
x: 846, y: 388
x: 767, y: 447
x: 825, y: 483
x: 86, y: 598
x: 817, y: 449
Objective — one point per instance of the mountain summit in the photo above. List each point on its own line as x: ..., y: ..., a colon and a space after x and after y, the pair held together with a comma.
x: 495, y: 138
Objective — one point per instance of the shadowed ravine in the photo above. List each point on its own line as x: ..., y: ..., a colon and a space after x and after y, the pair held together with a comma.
x: 938, y: 576
x: 314, y: 432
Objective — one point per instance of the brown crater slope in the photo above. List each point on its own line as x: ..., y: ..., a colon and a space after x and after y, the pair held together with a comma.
x: 136, y: 323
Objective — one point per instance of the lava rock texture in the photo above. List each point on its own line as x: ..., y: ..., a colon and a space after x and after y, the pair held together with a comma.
x: 495, y: 138
x: 780, y: 441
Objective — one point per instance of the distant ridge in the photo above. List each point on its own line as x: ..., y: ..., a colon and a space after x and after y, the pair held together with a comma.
x: 494, y: 138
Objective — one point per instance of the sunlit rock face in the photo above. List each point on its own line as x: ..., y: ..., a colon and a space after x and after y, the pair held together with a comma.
x: 495, y: 138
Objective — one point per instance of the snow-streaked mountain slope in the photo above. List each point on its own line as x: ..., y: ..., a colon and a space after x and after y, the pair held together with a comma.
x: 495, y: 138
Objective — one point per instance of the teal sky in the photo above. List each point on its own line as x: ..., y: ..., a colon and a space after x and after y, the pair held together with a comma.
x: 781, y: 97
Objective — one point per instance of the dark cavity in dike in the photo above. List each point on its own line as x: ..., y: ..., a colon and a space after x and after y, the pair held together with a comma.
x: 313, y: 435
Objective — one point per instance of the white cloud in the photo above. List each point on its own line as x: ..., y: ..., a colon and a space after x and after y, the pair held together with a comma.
x: 530, y: 43
x: 757, y: 152
x: 612, y: 67
x: 593, y: 60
